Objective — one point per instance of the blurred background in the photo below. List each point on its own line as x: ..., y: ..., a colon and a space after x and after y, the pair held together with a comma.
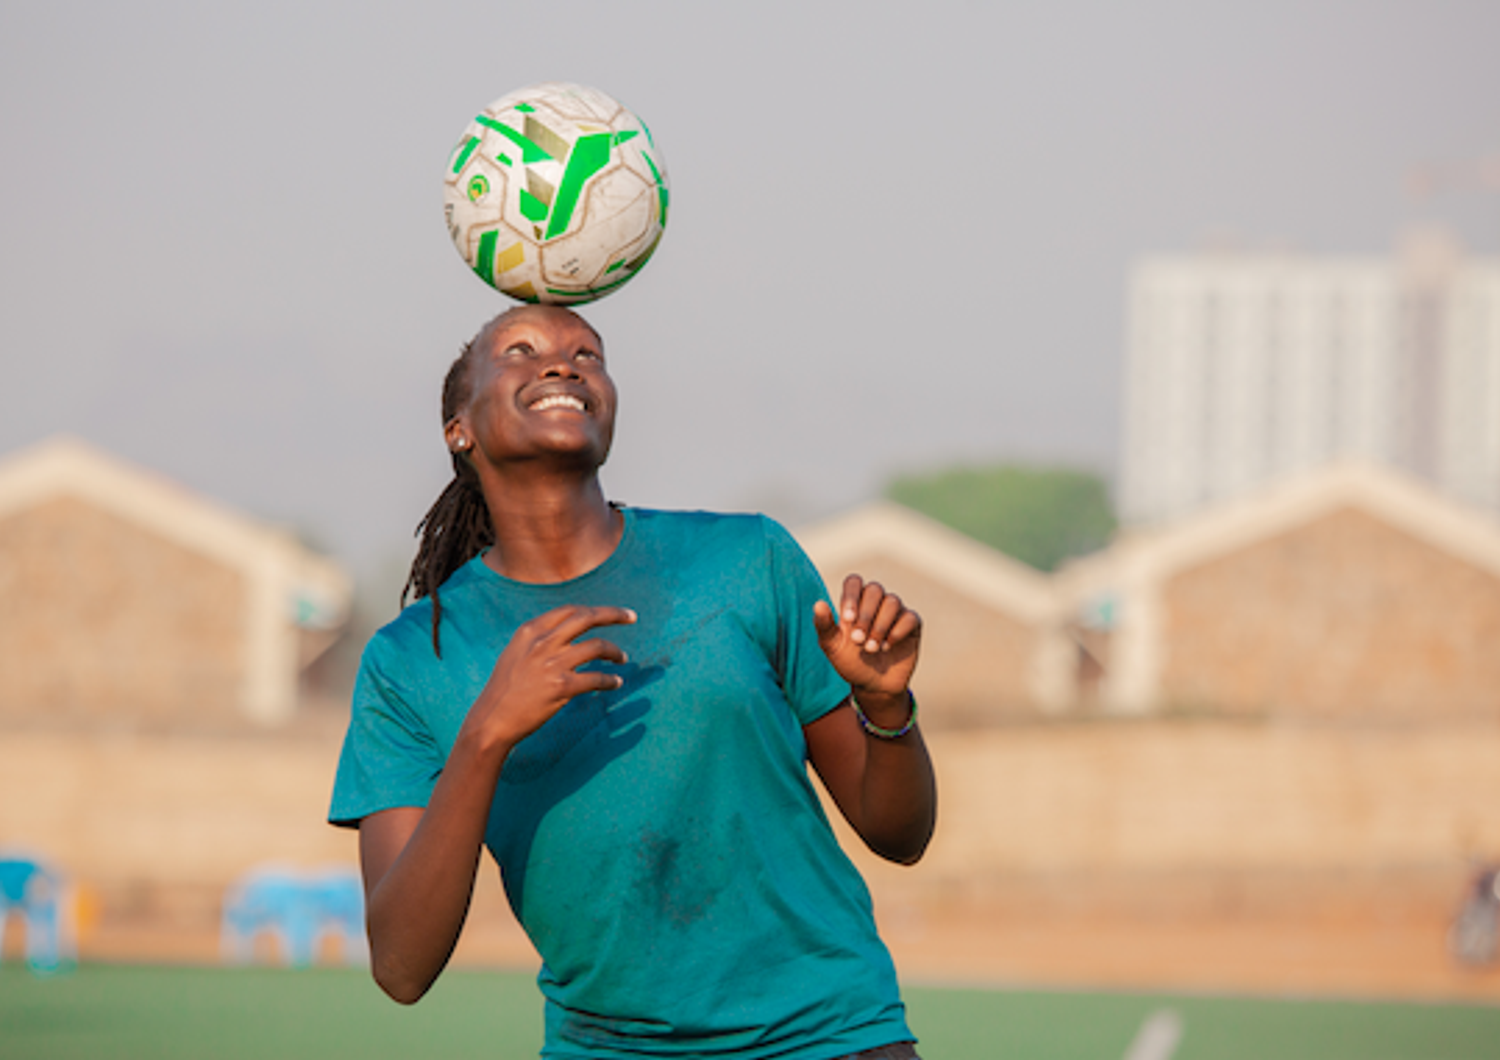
x: 1151, y: 350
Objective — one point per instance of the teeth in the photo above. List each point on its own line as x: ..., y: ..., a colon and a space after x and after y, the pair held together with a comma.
x: 557, y: 401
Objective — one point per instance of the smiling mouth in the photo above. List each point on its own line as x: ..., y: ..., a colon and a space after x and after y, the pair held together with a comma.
x: 558, y: 401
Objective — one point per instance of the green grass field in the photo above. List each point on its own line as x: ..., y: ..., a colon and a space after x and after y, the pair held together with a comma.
x: 155, y: 1013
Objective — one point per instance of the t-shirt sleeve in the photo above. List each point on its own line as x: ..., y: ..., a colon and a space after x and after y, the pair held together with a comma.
x: 389, y: 757
x: 812, y: 686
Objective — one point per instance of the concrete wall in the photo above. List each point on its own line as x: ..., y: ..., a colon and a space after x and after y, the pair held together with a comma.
x: 1344, y: 616
x: 102, y: 620
x: 157, y: 826
x: 1156, y: 813
x: 1090, y: 809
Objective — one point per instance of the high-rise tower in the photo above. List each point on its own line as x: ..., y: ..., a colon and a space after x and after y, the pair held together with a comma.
x: 1244, y: 367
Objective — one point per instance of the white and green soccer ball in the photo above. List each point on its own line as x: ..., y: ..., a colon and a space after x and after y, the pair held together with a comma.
x: 556, y: 193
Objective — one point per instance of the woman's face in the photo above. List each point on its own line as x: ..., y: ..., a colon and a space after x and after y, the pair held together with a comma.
x: 538, y: 390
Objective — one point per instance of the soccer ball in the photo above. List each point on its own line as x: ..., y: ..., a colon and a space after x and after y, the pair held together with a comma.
x: 556, y: 193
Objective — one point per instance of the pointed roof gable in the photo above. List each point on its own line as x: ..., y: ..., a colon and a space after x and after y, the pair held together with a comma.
x: 288, y: 585
x: 949, y: 557
x: 1124, y: 583
x: 1397, y: 499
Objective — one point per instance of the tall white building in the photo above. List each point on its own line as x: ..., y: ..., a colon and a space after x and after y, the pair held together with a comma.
x: 1244, y: 367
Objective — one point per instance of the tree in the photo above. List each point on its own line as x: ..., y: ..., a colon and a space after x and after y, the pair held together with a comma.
x: 1038, y: 515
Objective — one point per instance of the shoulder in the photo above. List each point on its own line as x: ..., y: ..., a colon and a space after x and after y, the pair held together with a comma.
x: 400, y: 644
x: 406, y: 640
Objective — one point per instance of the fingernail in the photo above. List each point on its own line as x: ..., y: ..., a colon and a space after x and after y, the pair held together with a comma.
x: 632, y: 614
x: 619, y: 681
x: 850, y: 615
x: 873, y: 646
x: 857, y: 636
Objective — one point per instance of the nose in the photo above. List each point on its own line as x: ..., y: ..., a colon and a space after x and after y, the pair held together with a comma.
x: 559, y: 365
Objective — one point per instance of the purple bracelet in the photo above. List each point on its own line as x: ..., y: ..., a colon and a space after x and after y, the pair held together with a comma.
x: 886, y: 734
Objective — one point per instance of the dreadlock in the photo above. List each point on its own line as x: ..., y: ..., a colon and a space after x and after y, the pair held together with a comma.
x: 457, y: 527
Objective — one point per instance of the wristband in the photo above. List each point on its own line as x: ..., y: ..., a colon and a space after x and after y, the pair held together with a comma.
x: 886, y: 734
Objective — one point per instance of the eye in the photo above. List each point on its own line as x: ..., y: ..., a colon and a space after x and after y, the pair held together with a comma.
x: 586, y: 354
x: 518, y: 349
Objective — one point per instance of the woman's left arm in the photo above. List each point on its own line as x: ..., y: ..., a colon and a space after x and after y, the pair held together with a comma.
x: 882, y: 782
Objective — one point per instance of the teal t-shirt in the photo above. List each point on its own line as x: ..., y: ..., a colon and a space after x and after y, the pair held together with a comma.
x: 662, y: 844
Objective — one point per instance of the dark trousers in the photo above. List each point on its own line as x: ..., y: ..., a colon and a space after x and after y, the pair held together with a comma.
x: 894, y: 1051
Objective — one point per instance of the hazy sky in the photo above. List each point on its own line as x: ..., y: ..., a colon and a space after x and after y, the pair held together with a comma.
x: 899, y: 232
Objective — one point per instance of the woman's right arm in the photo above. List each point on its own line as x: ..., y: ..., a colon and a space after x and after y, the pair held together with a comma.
x: 419, y: 864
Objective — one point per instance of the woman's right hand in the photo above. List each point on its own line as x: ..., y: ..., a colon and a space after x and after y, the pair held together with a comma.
x: 538, y: 673
x: 419, y: 863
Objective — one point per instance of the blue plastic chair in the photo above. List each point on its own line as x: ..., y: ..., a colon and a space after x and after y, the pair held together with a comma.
x: 41, y: 896
x: 298, y: 908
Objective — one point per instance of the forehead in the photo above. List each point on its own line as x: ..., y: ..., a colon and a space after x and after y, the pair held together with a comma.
x: 553, y: 321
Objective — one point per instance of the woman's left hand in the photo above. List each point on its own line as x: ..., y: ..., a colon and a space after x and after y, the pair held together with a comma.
x: 873, y: 761
x: 874, y: 642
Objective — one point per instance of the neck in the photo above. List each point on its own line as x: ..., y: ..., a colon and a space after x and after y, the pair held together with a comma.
x: 550, y: 531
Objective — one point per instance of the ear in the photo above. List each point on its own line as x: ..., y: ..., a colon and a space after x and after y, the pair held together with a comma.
x: 456, y: 435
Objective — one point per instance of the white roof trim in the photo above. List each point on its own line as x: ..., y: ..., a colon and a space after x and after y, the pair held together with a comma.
x: 1398, y: 499
x: 1136, y: 567
x: 956, y: 560
x: 276, y: 568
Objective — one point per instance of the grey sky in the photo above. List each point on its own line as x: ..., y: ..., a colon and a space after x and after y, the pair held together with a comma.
x: 899, y: 232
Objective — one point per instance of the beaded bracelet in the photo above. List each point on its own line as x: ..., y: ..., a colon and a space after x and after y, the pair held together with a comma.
x: 886, y: 734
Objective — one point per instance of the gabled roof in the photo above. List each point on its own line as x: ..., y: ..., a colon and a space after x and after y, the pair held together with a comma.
x: 956, y: 560
x: 1397, y: 499
x: 1123, y: 585
x: 287, y: 584
x: 65, y: 466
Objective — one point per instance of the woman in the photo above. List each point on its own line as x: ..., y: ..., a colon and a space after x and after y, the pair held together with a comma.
x: 620, y: 704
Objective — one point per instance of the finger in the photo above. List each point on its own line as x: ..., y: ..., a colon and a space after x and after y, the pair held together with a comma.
x: 574, y: 683
x: 595, y: 681
x: 574, y: 622
x: 595, y: 649
x: 849, y: 601
x: 908, y: 627
x: 869, y: 604
x: 548, y: 622
x: 824, y: 622
x: 885, y: 617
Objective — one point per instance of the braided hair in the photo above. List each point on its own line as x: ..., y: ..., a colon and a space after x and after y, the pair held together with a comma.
x: 457, y: 527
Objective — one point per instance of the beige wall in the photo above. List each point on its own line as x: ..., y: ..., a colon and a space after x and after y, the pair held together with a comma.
x: 1086, y: 807
x: 131, y: 810
x: 977, y: 663
x: 1096, y: 807
x: 1342, y: 617
x: 102, y: 620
